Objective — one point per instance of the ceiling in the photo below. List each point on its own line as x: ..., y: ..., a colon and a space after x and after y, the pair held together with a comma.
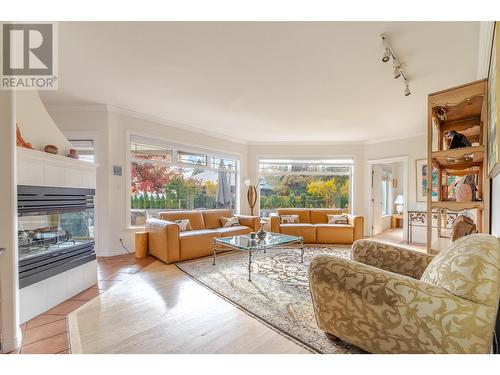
x: 266, y: 82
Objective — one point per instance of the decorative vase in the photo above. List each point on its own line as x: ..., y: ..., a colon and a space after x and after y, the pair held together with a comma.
x: 261, y: 234
x: 463, y: 193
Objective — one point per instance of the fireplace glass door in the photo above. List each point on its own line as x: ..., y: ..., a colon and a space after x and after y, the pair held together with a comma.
x: 41, y: 235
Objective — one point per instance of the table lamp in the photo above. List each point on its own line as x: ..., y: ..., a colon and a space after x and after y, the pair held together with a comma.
x: 399, y: 201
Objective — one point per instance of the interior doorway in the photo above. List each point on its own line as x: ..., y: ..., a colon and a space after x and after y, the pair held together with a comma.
x: 388, y: 199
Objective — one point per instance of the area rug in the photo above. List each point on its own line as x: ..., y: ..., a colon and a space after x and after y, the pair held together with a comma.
x: 278, y: 294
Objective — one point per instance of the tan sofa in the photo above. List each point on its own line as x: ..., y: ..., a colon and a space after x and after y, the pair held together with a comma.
x: 168, y: 244
x: 389, y: 299
x: 313, y: 225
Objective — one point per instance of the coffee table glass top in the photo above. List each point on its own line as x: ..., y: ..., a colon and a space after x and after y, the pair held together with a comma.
x: 243, y: 242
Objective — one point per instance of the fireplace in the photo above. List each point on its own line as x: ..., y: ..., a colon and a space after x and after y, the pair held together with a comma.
x: 55, y: 231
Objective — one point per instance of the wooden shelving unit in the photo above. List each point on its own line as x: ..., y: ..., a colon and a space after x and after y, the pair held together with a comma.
x: 463, y: 109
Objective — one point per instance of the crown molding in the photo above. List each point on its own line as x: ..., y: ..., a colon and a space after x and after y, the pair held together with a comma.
x: 484, y: 49
x: 307, y: 143
x: 174, y: 124
x: 76, y: 107
x: 395, y: 138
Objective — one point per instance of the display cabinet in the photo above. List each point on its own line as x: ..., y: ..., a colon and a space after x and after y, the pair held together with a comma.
x: 456, y: 174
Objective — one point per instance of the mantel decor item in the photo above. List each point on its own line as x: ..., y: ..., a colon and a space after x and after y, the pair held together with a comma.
x: 73, y: 153
x: 20, y: 140
x: 251, y: 195
x: 51, y: 149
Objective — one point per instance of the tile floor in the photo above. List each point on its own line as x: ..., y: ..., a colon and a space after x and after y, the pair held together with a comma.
x: 48, y: 332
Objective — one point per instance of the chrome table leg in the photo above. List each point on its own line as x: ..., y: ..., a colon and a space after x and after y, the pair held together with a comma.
x: 250, y: 265
x: 301, y: 249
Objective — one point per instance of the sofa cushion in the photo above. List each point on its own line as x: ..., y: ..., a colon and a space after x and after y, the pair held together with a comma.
x: 229, y: 221
x: 233, y: 231
x: 469, y: 268
x: 195, y: 217
x: 334, y: 233
x: 337, y: 219
x: 212, y: 217
x: 319, y: 216
x: 196, y: 243
x: 290, y: 219
x: 183, y: 224
x: 303, y: 213
x: 308, y: 231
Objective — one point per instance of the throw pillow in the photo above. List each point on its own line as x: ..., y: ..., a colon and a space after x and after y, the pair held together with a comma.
x: 183, y: 224
x: 289, y: 219
x: 229, y: 221
x: 338, y: 219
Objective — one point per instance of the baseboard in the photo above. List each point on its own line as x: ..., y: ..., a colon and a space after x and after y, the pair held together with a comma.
x: 111, y: 252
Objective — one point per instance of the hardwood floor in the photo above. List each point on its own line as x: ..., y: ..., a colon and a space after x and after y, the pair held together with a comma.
x: 161, y: 310
x: 396, y: 236
x: 48, y: 333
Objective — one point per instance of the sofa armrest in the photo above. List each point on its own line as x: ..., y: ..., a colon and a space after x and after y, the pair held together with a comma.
x: 275, y: 222
x: 163, y: 240
x: 358, y: 222
x: 249, y: 221
x: 382, y: 312
x: 391, y: 258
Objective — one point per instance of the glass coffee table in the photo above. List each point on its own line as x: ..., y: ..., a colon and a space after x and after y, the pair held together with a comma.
x: 245, y: 243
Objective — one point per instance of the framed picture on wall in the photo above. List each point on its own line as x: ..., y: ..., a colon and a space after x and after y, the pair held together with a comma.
x: 421, y: 178
x: 493, y: 133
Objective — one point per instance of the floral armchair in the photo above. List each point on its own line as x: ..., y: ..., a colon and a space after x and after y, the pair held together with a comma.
x: 390, y: 299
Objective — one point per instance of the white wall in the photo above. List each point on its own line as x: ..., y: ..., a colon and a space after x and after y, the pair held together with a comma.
x: 36, y: 125
x: 495, y: 206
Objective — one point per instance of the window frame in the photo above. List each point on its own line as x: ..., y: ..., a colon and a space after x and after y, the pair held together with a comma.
x: 210, y: 155
x: 340, y: 160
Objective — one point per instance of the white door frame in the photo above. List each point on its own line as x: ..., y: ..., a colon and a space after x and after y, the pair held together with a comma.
x: 396, y: 159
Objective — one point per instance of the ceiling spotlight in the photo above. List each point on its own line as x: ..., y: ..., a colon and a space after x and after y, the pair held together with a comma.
x: 386, y: 55
x: 407, y: 91
x: 396, y: 72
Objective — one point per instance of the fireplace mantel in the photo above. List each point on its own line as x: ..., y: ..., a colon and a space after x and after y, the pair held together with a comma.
x: 38, y: 168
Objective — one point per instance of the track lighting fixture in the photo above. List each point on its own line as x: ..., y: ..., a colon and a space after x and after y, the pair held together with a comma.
x: 407, y: 91
x: 386, y: 56
x: 398, y: 70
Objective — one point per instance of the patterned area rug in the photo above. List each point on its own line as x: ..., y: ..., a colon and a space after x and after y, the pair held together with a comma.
x: 278, y: 294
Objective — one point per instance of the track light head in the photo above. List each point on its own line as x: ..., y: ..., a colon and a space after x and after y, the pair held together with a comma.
x: 396, y: 72
x: 407, y: 91
x: 386, y: 56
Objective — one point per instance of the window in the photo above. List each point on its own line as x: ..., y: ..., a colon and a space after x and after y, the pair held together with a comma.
x: 305, y: 183
x: 165, y: 177
x: 85, y: 149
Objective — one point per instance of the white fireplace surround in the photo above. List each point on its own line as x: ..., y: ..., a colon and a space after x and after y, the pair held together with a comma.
x: 37, y: 168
